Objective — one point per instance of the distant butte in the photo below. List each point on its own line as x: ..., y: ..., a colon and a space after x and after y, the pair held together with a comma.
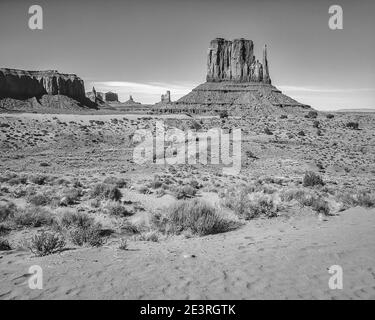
x: 236, y: 82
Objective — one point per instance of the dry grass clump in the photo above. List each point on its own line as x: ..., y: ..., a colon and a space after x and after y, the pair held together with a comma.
x: 352, y: 125
x: 4, y: 245
x: 106, y: 191
x: 17, y: 180
x: 81, y: 228
x: 70, y: 218
x: 38, y: 179
x: 362, y: 198
x: 320, y: 206
x: 46, y: 243
x: 7, y: 210
x: 312, y: 179
x: 33, y: 216
x: 118, y: 182
x: 184, y: 192
x: 249, y: 205
x: 123, y: 245
x: 115, y: 208
x: 194, y: 215
x: 151, y: 235
x: 91, y: 236
x: 40, y: 199
x: 70, y: 196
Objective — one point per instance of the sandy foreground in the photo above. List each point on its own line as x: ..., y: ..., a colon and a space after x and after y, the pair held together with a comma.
x: 282, y: 258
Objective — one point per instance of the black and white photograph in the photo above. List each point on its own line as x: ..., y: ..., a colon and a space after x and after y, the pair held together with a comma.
x: 165, y: 151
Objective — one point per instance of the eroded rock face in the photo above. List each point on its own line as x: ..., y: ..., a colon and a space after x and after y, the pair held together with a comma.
x: 166, y: 98
x: 235, y: 61
x: 20, y: 84
x: 111, y: 97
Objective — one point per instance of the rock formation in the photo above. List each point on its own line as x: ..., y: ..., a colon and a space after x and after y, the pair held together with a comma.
x: 19, y: 84
x: 236, y: 82
x: 131, y: 101
x: 235, y: 61
x: 166, y: 98
x: 111, y: 97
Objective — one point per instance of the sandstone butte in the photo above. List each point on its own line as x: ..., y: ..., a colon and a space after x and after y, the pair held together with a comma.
x: 236, y: 82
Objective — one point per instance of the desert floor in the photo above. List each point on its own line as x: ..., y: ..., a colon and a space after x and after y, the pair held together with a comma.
x: 283, y: 253
x: 266, y: 259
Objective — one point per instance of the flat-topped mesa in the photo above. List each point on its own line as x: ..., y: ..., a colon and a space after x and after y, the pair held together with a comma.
x: 235, y: 61
x: 20, y: 84
x: 111, y: 97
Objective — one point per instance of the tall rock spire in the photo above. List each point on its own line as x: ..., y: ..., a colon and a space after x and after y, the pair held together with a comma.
x: 266, y: 73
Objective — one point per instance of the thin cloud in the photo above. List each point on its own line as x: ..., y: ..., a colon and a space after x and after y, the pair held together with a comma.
x: 145, y: 88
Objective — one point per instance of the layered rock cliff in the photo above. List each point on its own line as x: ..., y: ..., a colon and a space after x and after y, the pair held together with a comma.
x: 235, y: 61
x: 237, y: 83
x: 111, y: 97
x: 20, y: 84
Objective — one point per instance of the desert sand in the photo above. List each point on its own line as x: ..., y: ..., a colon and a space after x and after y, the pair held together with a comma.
x: 284, y: 258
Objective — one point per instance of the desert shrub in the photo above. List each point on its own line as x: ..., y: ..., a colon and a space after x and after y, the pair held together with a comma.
x: 118, y: 182
x: 76, y: 183
x: 262, y: 206
x: 76, y: 219
x: 248, y: 204
x: 4, y: 245
x: 330, y: 116
x: 33, y: 216
x: 301, y: 133
x: 184, y: 192
x: 366, y: 199
x: 312, y: 115
x: 223, y: 114
x: 195, y: 215
x: 38, y: 179
x: 283, y: 116
x: 144, y: 190
x: 19, y: 192
x: 312, y: 179
x: 156, y: 183
x: 70, y: 197
x: 352, y: 125
x: 7, y: 210
x: 320, y: 205
x: 195, y: 125
x: 46, y: 243
x: 17, y: 180
x: 316, y: 124
x: 292, y: 194
x: 130, y: 227
x: 161, y: 192
x: 106, y: 191
x: 361, y: 198
x: 44, y: 164
x: 58, y: 181
x: 4, y: 229
x: 116, y: 209
x: 82, y: 236
x: 123, y: 244
x: 8, y: 176
x: 40, y: 199
x: 80, y: 228
x: 152, y: 236
x: 268, y: 131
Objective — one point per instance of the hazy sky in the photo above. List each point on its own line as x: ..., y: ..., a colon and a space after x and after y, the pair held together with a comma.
x: 144, y: 47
